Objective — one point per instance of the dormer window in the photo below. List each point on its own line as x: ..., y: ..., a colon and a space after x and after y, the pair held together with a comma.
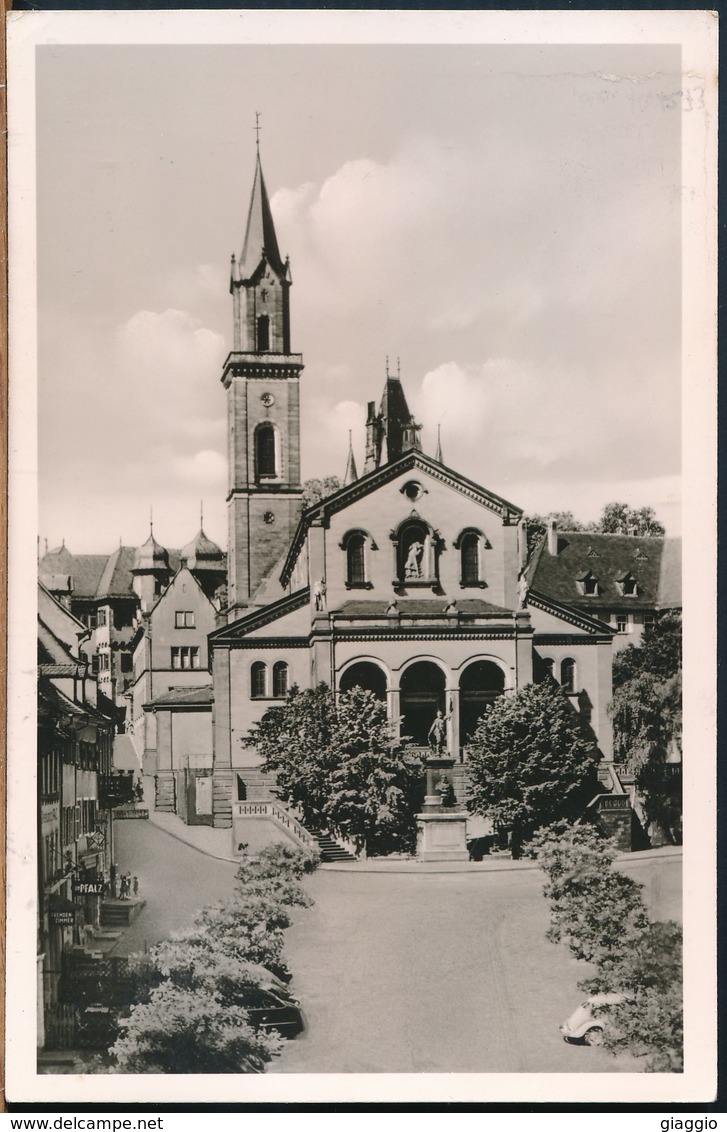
x: 588, y: 584
x: 628, y: 585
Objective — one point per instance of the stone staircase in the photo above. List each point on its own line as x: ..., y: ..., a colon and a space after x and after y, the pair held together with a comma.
x: 257, y: 785
x: 460, y: 782
x: 330, y: 849
x: 120, y: 913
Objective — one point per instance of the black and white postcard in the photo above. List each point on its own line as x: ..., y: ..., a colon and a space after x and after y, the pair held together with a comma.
x: 362, y: 570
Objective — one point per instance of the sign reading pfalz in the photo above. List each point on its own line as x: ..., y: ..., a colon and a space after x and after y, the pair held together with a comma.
x: 88, y: 888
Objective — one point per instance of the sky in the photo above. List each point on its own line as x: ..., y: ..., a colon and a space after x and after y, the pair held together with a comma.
x: 504, y: 220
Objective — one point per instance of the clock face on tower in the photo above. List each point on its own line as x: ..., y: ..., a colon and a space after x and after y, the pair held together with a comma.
x: 267, y: 399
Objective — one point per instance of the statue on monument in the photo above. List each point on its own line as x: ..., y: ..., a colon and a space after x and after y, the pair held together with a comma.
x: 438, y: 733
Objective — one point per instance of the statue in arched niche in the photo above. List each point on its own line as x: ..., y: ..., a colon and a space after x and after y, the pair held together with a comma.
x: 413, y: 564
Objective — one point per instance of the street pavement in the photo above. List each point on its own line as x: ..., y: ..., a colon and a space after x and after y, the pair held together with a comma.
x: 441, y: 973
x: 399, y: 972
x: 175, y: 880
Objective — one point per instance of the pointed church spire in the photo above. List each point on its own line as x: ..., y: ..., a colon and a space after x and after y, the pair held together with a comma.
x: 396, y: 421
x: 438, y: 456
x: 351, y: 473
x: 260, y: 239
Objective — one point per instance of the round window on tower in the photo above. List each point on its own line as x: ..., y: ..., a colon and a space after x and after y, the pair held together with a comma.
x: 267, y: 399
x: 268, y: 517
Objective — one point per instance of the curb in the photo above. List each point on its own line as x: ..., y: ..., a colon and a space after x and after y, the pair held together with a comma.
x: 231, y: 860
x: 414, y: 867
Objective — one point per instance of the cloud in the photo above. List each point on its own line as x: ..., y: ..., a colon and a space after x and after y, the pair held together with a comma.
x: 207, y: 468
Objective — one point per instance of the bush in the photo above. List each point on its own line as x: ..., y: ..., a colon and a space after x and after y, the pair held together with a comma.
x: 600, y: 914
x: 207, y: 991
x: 338, y: 761
x: 531, y: 762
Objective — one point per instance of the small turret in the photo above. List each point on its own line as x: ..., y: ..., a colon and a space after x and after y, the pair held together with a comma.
x: 351, y: 474
x: 151, y: 571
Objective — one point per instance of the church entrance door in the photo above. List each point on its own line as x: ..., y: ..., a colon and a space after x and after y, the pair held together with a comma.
x: 422, y: 696
x: 364, y: 675
x: 480, y: 685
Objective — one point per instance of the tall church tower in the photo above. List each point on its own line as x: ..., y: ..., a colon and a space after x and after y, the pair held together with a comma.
x: 262, y: 379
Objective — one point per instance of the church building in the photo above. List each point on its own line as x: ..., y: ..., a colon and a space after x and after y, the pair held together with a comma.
x: 411, y: 580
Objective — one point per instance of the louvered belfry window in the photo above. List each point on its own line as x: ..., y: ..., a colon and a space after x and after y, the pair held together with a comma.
x: 265, y: 450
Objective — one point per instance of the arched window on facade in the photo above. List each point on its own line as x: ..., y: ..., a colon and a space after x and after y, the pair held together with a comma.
x: 547, y: 668
x: 568, y: 674
x: 263, y: 333
x: 356, y: 559
x: 470, y: 543
x: 357, y: 545
x: 280, y: 678
x: 470, y: 554
x: 258, y: 680
x: 265, y: 451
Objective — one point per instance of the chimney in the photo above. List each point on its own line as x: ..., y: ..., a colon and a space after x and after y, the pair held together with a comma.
x: 553, y: 537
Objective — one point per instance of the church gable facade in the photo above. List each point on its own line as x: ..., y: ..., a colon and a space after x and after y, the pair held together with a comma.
x: 408, y: 582
x: 411, y: 581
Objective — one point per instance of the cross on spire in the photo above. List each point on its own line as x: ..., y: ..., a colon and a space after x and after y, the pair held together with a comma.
x: 257, y: 130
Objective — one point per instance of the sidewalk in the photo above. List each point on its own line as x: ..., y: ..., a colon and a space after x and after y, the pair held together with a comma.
x: 218, y: 843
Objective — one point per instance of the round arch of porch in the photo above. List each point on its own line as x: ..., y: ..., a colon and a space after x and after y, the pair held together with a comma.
x: 422, y: 693
x: 482, y: 680
x: 367, y: 673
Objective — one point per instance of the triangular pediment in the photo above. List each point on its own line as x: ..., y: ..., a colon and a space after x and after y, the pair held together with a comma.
x: 411, y: 461
x: 259, y: 619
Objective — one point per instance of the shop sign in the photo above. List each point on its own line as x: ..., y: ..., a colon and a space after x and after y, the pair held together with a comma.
x: 61, y: 918
x: 88, y: 888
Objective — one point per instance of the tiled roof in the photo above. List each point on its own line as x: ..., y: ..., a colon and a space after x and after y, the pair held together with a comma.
x: 85, y: 570
x: 607, y: 558
x: 117, y: 579
x: 670, y: 574
x: 52, y: 649
x: 421, y: 607
x: 96, y: 576
x: 184, y: 696
x: 59, y: 669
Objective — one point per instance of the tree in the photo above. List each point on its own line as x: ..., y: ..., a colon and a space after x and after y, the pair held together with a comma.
x: 202, y: 1002
x: 616, y: 519
x: 620, y: 519
x: 181, y: 1030
x: 339, y: 762
x: 315, y: 490
x: 600, y: 914
x: 647, y: 720
x: 531, y: 762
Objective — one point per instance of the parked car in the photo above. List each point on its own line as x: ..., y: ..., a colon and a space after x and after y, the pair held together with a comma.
x: 585, y: 1027
x: 272, y: 1006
